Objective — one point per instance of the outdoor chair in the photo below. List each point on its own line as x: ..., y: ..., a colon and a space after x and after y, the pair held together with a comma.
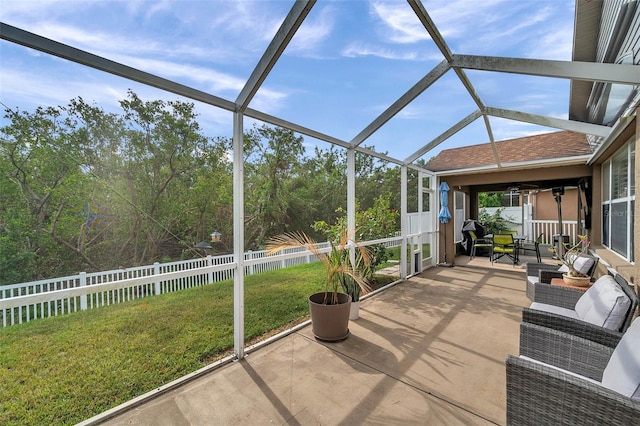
x: 476, y: 242
x: 503, y: 245
x: 560, y: 378
x: 600, y: 313
x: 533, y: 246
x: 543, y: 272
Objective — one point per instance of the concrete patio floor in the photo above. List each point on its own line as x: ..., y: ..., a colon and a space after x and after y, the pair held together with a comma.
x: 430, y: 350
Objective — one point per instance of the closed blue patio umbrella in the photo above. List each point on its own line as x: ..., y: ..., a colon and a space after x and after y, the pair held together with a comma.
x: 444, y: 215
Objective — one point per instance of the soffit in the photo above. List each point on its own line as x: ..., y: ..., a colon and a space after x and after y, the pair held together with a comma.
x: 585, y: 41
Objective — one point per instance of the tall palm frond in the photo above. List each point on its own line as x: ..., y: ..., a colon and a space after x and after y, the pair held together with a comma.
x: 337, y: 261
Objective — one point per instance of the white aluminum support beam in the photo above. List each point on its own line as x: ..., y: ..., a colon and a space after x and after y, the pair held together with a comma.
x: 42, y: 44
x: 437, y: 38
x: 467, y: 84
x: 238, y: 234
x: 287, y: 30
x: 492, y: 141
x: 444, y: 136
x: 258, y: 115
x: 351, y: 200
x: 422, y: 85
x: 404, y: 225
x: 421, y: 229
x: 430, y: 26
x: 588, y: 71
x: 379, y: 155
x: 557, y: 123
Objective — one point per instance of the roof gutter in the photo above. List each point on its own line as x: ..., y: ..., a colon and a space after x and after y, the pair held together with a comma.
x: 621, y: 125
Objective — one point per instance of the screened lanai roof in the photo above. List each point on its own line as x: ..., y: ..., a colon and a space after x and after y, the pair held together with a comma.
x: 406, y: 78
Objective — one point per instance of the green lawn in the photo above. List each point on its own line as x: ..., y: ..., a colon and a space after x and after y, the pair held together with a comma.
x: 65, y: 369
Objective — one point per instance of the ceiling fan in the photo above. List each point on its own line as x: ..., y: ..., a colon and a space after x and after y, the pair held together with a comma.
x: 522, y: 186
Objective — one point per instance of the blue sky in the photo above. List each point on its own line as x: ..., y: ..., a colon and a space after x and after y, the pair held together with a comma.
x: 348, y: 62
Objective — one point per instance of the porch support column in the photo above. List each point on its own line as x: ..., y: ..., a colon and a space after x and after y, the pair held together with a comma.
x: 403, y: 222
x: 351, y: 192
x: 238, y: 235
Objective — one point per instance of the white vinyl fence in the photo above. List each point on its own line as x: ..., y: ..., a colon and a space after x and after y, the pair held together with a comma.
x: 550, y: 228
x: 45, y: 298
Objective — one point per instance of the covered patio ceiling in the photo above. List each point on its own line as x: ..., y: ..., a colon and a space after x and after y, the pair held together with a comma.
x: 581, y: 73
x: 528, y: 186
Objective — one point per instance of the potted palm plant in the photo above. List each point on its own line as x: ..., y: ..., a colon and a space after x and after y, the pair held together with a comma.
x: 330, y: 308
x: 351, y: 287
x: 573, y: 276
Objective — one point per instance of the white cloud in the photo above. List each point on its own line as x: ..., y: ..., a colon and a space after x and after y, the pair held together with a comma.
x: 506, y: 27
x: 313, y: 31
x: 357, y: 49
x: 504, y: 129
x: 555, y: 45
x: 402, y: 25
x: 46, y: 90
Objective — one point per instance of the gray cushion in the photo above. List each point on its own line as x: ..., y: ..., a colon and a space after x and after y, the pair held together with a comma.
x: 582, y: 264
x: 604, y: 304
x: 554, y: 309
x: 622, y: 373
x: 532, y: 279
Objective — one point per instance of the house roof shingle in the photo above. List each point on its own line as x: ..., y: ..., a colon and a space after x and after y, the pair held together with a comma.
x: 530, y: 148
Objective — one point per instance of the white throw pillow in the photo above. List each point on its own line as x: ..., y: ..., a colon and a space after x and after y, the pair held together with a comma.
x: 622, y: 373
x: 582, y: 264
x: 604, y: 304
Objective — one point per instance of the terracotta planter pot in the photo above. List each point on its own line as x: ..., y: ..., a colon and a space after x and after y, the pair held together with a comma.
x: 330, y: 322
x: 576, y: 281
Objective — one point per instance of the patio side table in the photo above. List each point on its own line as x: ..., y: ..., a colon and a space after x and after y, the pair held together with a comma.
x: 560, y: 282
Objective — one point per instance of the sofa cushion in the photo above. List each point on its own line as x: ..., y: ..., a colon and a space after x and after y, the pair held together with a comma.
x: 622, y: 373
x: 604, y: 304
x: 582, y: 264
x: 554, y: 309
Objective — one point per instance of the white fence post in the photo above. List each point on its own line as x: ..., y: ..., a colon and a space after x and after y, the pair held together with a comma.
x: 83, y: 298
x: 210, y: 274
x: 252, y: 266
x: 156, y: 271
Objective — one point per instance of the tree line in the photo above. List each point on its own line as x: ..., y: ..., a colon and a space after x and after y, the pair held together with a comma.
x: 83, y: 189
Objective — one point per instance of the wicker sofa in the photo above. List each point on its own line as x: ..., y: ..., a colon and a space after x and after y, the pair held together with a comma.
x: 560, y: 378
x: 599, y: 325
x: 544, y: 272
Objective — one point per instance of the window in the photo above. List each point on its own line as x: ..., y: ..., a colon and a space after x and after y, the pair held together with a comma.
x: 511, y: 199
x: 618, y: 199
